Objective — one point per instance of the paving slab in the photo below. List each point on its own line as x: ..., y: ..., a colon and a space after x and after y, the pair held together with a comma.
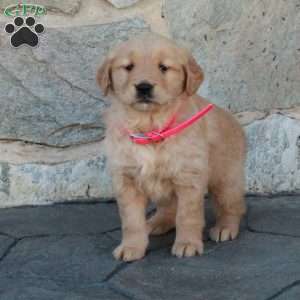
x: 280, y: 215
x: 37, y: 290
x: 64, y: 252
x: 73, y: 260
x: 253, y: 267
x: 59, y: 268
x: 60, y: 219
x: 5, y: 243
x: 291, y: 293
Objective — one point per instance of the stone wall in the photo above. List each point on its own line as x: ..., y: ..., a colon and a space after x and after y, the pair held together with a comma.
x: 50, y: 106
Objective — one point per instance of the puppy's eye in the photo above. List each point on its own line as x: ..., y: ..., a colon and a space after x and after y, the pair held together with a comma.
x: 129, y: 67
x: 163, y: 68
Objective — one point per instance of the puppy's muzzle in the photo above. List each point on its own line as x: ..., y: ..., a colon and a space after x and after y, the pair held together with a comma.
x: 144, y: 92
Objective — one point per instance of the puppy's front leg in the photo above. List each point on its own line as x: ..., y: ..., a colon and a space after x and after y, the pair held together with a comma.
x: 189, y: 222
x: 132, y: 204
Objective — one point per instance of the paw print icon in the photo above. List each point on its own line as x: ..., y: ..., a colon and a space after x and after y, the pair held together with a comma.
x: 24, y: 32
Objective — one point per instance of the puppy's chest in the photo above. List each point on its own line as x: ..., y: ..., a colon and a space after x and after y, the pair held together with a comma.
x: 153, y: 170
x: 152, y: 163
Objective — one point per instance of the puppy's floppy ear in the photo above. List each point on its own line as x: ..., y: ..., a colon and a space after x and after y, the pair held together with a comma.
x: 104, y: 76
x: 194, y: 76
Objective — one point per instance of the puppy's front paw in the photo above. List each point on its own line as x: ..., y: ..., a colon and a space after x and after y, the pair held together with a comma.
x: 128, y: 253
x: 187, y: 249
x: 224, y: 233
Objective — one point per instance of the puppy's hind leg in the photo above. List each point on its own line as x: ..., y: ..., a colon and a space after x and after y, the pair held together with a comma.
x: 228, y: 198
x: 164, y: 218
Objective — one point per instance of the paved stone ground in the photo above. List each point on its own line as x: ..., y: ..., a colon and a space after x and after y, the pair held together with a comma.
x: 64, y: 252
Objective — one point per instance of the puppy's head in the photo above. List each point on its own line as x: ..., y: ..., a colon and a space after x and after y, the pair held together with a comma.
x: 148, y: 72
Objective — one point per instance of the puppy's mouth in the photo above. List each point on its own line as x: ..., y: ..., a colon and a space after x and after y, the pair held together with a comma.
x: 145, y: 99
x: 145, y: 103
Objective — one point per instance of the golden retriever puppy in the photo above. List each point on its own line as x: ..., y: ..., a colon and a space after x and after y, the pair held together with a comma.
x: 152, y: 84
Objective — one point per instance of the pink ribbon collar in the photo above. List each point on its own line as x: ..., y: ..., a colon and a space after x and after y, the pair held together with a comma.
x: 156, y: 136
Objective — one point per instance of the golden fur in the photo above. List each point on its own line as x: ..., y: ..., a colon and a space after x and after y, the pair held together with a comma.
x: 175, y: 173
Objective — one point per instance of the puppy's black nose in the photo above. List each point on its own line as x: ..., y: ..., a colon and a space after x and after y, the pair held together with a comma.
x: 144, y: 89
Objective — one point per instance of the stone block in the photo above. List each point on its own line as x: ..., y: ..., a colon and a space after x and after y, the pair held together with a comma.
x: 249, y: 50
x: 49, y: 94
x: 273, y: 160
